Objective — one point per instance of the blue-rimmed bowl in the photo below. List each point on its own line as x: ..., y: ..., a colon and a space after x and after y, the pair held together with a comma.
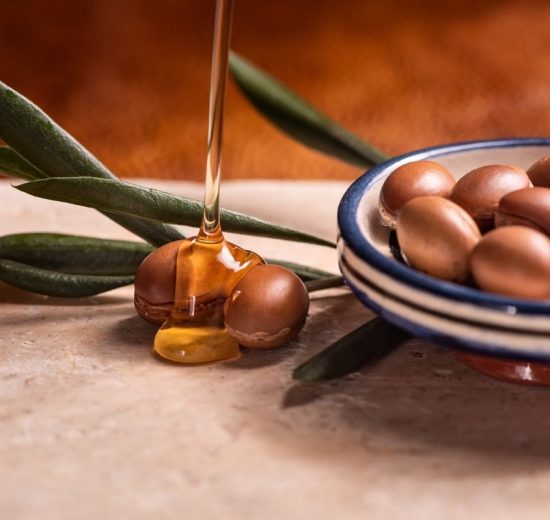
x: 439, y: 311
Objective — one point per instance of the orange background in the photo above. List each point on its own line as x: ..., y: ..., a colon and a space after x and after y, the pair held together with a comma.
x: 129, y: 78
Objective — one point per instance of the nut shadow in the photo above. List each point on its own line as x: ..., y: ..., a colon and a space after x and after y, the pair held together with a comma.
x: 259, y: 358
x: 328, y: 309
x: 133, y: 332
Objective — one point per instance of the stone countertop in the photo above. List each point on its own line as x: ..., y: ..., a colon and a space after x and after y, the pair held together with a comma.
x: 92, y: 426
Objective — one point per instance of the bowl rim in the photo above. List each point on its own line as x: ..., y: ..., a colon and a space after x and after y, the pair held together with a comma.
x: 351, y: 234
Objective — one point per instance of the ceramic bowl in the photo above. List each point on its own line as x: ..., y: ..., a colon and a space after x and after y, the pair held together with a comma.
x: 436, y: 310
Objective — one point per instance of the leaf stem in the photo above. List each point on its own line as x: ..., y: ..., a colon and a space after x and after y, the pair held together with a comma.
x: 325, y: 283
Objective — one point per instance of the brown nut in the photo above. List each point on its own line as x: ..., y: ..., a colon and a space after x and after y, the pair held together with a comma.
x: 155, y: 283
x: 480, y: 190
x: 412, y: 180
x: 539, y: 173
x: 436, y: 236
x: 529, y: 207
x: 513, y: 261
x: 267, y: 308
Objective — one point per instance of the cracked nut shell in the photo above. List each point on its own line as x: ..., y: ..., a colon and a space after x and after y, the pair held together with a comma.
x: 267, y: 308
x: 513, y: 261
x: 480, y: 191
x: 412, y: 180
x: 436, y: 237
x: 155, y: 282
x: 529, y: 207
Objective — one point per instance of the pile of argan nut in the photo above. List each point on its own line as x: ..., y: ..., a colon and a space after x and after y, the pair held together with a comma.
x: 490, y: 228
x: 267, y: 308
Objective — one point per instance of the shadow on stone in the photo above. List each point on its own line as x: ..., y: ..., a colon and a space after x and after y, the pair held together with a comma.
x: 133, y: 332
x: 420, y: 396
x: 259, y: 358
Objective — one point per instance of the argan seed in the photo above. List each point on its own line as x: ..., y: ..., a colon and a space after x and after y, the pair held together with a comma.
x: 267, y: 308
x: 528, y: 207
x: 513, y: 261
x: 155, y: 283
x: 480, y: 191
x: 412, y: 180
x: 436, y: 237
x: 539, y: 173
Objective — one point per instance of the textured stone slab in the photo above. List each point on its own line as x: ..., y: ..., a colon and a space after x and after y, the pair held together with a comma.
x: 92, y: 426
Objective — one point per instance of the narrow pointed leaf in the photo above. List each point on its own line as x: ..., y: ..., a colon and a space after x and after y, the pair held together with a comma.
x: 132, y: 199
x: 156, y: 233
x: 88, y: 255
x: 298, y: 118
x: 51, y: 283
x: 14, y: 165
x: 365, y: 345
x: 74, y: 254
x: 33, y: 135
x: 304, y: 272
x: 324, y: 283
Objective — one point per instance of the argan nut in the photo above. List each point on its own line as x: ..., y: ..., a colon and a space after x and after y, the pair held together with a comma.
x: 480, y: 190
x: 529, y: 207
x: 155, y: 282
x: 412, y: 180
x: 513, y: 261
x: 436, y: 237
x: 539, y: 173
x: 267, y: 308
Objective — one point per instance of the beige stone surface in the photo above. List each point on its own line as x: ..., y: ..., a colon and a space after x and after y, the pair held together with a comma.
x: 92, y: 426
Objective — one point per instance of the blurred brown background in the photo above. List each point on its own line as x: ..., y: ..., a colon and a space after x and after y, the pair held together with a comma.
x: 129, y: 78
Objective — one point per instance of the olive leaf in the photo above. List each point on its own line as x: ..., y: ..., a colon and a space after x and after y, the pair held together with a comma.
x: 74, y: 254
x: 298, y: 118
x: 365, y: 345
x: 114, y: 196
x: 304, y: 272
x: 324, y: 283
x: 52, y: 283
x: 89, y: 255
x: 42, y: 143
x: 14, y: 165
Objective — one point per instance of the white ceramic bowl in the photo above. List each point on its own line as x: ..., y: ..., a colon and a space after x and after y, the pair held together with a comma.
x: 439, y: 311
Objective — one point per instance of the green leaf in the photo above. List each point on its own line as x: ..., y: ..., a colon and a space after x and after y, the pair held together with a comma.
x: 324, y: 283
x: 34, y: 136
x: 51, y: 283
x: 15, y: 166
x: 88, y: 255
x: 131, y: 199
x: 74, y: 254
x: 298, y: 118
x: 304, y: 272
x: 365, y: 345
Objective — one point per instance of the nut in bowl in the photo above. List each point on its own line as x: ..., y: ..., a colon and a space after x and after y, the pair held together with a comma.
x: 487, y: 324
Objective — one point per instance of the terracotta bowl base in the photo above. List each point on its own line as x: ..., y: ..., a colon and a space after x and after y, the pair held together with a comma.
x: 510, y: 370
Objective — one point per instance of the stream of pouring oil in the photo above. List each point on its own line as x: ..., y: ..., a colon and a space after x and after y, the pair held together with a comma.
x: 207, y: 267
